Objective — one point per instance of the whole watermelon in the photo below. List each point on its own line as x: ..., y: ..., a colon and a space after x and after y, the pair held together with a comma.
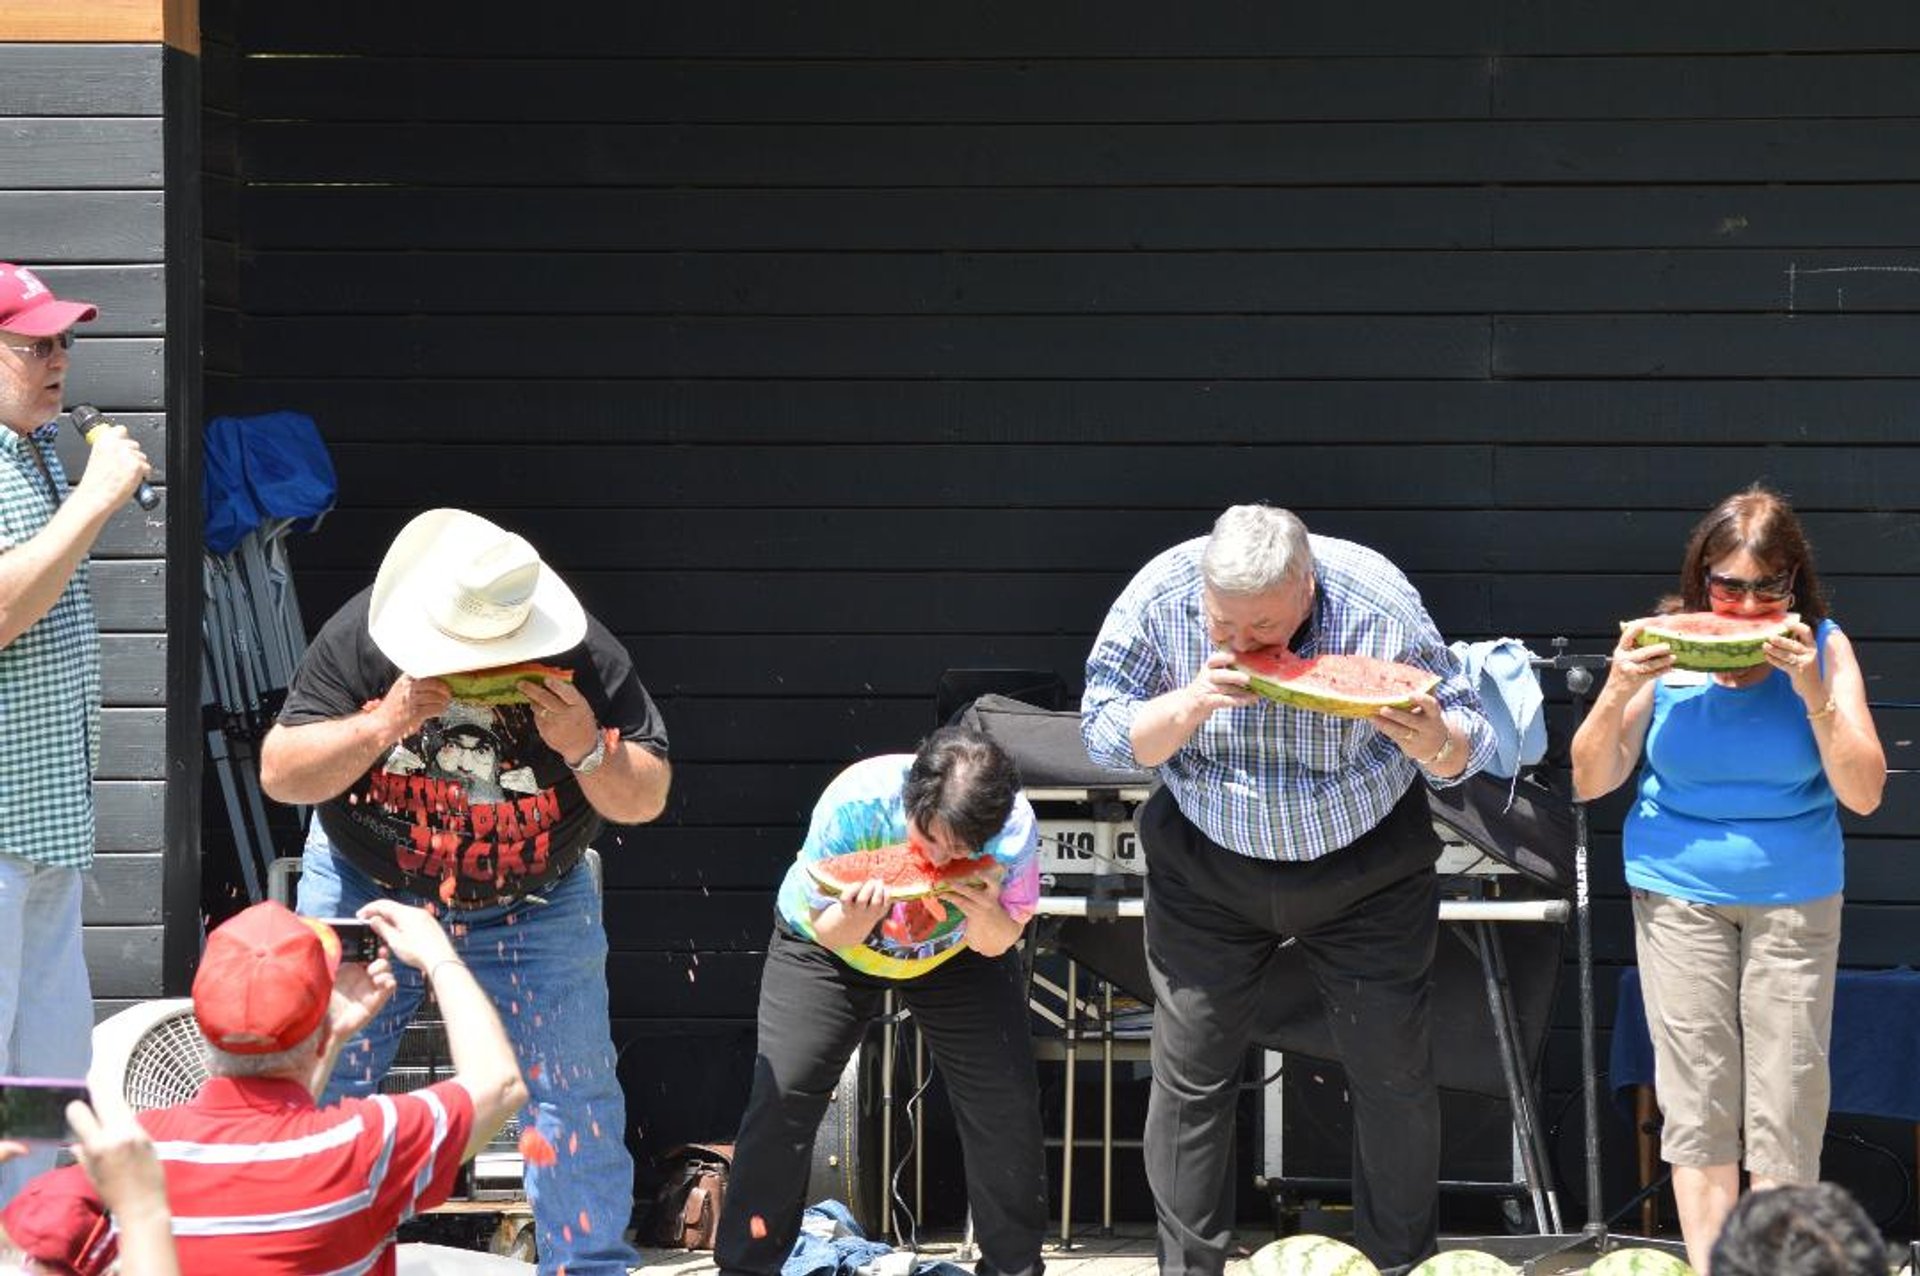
x: 1462, y: 1262
x: 1639, y: 1262
x: 1311, y: 1256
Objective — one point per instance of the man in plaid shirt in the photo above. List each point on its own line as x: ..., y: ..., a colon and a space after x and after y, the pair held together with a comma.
x: 49, y: 690
x: 1274, y: 824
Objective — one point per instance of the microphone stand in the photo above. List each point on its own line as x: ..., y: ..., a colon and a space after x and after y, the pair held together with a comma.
x: 1545, y: 1253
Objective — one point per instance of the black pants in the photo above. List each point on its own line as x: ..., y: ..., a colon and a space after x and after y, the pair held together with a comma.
x: 814, y: 1009
x: 1365, y: 917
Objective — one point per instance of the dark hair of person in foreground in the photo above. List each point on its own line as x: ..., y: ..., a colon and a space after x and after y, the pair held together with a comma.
x: 1815, y: 1230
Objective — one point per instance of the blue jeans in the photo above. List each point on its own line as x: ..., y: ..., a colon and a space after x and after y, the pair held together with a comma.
x: 46, y: 1008
x: 545, y: 966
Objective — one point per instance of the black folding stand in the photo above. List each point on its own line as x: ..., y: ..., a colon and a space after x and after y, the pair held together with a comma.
x: 1542, y: 1254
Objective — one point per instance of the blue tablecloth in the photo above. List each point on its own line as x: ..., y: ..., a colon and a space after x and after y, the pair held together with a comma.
x: 1876, y: 1042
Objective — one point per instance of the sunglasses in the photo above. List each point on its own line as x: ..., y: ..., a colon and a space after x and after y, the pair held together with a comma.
x: 43, y: 348
x: 1774, y: 590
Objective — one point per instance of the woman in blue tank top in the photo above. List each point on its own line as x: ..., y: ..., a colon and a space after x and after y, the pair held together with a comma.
x: 1734, y: 857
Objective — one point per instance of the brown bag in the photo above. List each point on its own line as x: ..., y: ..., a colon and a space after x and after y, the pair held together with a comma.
x: 686, y: 1208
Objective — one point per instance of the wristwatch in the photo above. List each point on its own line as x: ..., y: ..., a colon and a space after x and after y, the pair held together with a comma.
x: 595, y: 756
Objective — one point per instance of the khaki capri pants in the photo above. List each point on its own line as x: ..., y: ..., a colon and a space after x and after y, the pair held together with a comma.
x: 1740, y: 1009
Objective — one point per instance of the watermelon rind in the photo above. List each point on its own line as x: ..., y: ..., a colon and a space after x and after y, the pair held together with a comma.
x: 1463, y: 1262
x: 952, y: 874
x: 1639, y: 1262
x: 1306, y: 1255
x: 1705, y: 653
x: 1302, y: 693
x: 501, y: 686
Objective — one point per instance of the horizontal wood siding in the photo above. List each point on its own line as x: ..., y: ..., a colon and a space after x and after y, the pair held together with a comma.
x: 827, y: 349
x: 81, y: 171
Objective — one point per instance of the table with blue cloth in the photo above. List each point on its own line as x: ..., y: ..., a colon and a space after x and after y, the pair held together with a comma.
x: 1874, y: 1059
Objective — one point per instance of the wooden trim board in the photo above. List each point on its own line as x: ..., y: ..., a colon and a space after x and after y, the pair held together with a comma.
x: 176, y: 22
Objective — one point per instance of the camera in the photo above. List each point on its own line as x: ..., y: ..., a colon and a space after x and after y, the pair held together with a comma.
x: 359, y: 942
x: 35, y: 1108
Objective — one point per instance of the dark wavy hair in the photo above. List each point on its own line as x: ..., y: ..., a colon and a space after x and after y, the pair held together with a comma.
x: 963, y: 780
x: 1816, y: 1230
x: 1761, y: 522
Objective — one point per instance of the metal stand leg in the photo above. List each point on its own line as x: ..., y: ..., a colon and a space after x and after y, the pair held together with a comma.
x: 1528, y: 1095
x: 968, y: 1252
x: 919, y: 1126
x: 886, y: 1116
x: 1500, y: 1011
x: 1106, y: 1114
x: 1066, y: 1135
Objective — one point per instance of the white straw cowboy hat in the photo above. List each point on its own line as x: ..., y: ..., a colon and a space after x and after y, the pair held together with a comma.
x: 456, y: 592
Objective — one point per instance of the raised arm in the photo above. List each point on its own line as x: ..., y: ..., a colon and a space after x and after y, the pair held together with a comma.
x: 119, y: 1158
x: 1163, y: 725
x: 1607, y: 746
x: 317, y: 761
x: 483, y: 1059
x: 34, y: 572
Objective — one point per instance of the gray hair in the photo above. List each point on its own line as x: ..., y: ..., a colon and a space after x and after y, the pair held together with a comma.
x: 1255, y: 548
x: 294, y: 1061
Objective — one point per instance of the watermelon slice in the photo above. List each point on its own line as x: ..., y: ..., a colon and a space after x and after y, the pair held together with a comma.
x: 1706, y: 641
x: 500, y: 685
x: 1344, y: 686
x: 904, y: 869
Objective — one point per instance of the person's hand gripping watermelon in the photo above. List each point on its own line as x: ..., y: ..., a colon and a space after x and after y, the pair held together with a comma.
x: 902, y: 888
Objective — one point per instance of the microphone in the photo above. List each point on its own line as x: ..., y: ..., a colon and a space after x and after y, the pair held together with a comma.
x: 87, y: 419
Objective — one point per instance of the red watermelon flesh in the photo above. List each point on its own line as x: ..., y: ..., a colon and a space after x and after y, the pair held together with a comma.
x: 902, y: 867
x: 1346, y: 686
x: 1713, y: 624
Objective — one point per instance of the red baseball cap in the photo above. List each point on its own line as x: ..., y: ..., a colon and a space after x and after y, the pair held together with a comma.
x: 265, y: 980
x: 58, y: 1221
x: 29, y: 307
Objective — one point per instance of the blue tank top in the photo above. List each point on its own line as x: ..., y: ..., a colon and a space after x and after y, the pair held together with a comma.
x: 1733, y: 805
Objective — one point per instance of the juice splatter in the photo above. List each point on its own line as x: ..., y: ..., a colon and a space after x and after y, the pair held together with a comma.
x: 534, y: 1148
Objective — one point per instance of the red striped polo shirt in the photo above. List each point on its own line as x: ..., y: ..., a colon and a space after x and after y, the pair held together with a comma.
x: 262, y: 1181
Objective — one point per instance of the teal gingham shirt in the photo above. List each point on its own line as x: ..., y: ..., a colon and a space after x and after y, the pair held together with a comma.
x: 1269, y: 781
x: 49, y: 684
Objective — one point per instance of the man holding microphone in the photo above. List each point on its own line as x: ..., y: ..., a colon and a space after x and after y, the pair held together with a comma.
x: 49, y: 690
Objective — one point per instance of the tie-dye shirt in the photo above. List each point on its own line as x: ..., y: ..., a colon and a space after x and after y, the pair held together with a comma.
x: 862, y: 810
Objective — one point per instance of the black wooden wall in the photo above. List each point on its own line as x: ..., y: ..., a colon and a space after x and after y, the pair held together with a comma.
x: 825, y: 348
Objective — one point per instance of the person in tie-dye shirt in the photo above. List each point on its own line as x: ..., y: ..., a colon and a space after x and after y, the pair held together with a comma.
x: 831, y: 962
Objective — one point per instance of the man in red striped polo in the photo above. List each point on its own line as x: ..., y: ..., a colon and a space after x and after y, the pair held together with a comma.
x: 260, y: 1178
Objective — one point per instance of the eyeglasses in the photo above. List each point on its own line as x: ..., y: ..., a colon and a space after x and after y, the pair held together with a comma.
x: 1772, y: 591
x: 43, y: 348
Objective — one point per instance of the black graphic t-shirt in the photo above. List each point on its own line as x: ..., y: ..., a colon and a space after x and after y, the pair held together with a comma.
x: 475, y: 797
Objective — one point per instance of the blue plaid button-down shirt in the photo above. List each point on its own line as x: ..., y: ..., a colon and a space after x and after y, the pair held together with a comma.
x: 49, y: 682
x: 1269, y: 781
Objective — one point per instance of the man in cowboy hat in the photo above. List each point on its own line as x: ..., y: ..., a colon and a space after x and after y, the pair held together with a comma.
x: 260, y: 1178
x: 49, y: 690
x: 448, y: 637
